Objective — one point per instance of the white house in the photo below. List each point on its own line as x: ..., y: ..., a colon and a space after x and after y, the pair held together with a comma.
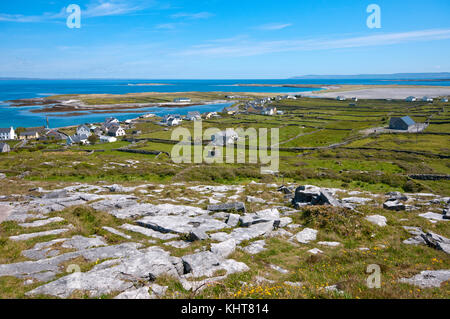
x: 173, y: 121
x: 193, y: 116
x: 411, y: 99
x: 354, y: 99
x: 182, y: 100
x: 77, y: 139
x: 83, y: 130
x: 116, y: 131
x: 280, y: 112
x: 269, y: 111
x: 341, y: 98
x: 229, y: 136
x: 427, y: 99
x: 291, y: 97
x: 445, y: 100
x: 107, y: 139
x: 7, y: 134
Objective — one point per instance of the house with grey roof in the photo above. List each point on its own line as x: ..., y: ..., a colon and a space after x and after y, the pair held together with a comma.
x: 4, y: 148
x: 7, y: 134
x: 193, y: 116
x: 401, y: 123
x: 83, y: 130
x: 229, y: 136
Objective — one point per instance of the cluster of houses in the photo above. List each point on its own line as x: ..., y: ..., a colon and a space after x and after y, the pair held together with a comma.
x: 35, y: 133
x: 107, y: 132
x: 176, y: 119
x: 424, y: 99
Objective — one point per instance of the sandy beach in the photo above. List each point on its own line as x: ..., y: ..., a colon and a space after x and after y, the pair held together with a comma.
x: 383, y: 93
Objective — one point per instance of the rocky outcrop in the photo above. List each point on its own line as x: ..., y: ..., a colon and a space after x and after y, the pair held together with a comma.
x: 237, y: 206
x: 311, y: 195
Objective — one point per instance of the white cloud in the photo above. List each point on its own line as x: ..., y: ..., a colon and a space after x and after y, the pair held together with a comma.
x: 96, y: 8
x: 274, y: 26
x: 266, y: 47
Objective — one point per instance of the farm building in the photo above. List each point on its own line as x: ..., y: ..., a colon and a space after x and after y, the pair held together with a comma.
x: 401, y: 123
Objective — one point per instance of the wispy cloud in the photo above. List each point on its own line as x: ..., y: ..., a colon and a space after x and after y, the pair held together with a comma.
x: 166, y: 26
x: 96, y: 8
x: 193, y: 16
x: 267, y: 47
x: 274, y: 26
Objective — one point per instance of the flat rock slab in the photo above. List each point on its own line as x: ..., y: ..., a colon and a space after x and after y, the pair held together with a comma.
x: 5, y: 211
x: 116, y: 232
x: 112, y: 277
x: 80, y: 242
x: 153, y: 292
x: 181, y: 224
x: 148, y: 232
x: 43, y: 250
x: 237, y: 206
x: 247, y: 233
x: 207, y: 264
x: 224, y: 249
x: 329, y: 243
x: 46, y: 269
x: 39, y: 234
x: 428, y: 278
x: 433, y: 217
x: 42, y: 222
x: 178, y: 244
x: 377, y: 220
x: 255, y: 247
x: 306, y: 235
x: 394, y: 205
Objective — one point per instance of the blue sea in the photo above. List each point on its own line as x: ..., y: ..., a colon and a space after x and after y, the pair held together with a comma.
x: 21, y: 89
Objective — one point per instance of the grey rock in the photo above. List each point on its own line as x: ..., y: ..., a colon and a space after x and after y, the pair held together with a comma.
x: 148, y: 232
x: 311, y: 195
x: 81, y: 242
x: 233, y: 220
x: 294, y: 284
x: 446, y: 213
x: 38, y: 234
x: 56, y: 195
x: 315, y: 251
x: 236, y: 206
x: 2, y: 176
x: 136, y: 268
x: 42, y: 222
x: 437, y: 241
x: 329, y: 243
x: 279, y: 269
x: 52, y: 265
x: 306, y: 235
x: 178, y: 244
x: 220, y: 236
x: 224, y: 249
x: 264, y: 216
x: 433, y: 217
x: 181, y: 224
x: 254, y: 231
x: 428, y: 278
x: 377, y: 220
x: 157, y: 291
x: 252, y: 199
x: 393, y: 196
x: 197, y: 234
x: 394, y: 205
x: 207, y: 263
x: 255, y: 247
x: 43, y: 250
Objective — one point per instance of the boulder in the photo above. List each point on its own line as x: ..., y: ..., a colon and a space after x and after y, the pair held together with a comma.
x: 446, y: 212
x: 393, y: 196
x: 197, y: 234
x: 377, y: 220
x: 233, y: 220
x: 311, y: 195
x: 394, y: 205
x: 306, y: 235
x: 251, y: 199
x: 56, y: 194
x: 181, y: 224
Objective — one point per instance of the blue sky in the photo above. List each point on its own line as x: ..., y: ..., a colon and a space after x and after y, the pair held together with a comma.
x: 216, y: 39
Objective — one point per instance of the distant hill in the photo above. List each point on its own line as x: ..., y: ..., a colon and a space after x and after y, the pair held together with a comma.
x: 395, y: 76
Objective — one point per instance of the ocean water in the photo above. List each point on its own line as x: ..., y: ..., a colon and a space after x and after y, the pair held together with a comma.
x: 21, y: 89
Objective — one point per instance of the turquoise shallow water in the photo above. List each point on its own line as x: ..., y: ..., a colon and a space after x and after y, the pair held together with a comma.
x: 20, y: 89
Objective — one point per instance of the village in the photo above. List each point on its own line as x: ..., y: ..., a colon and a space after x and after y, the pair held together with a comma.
x: 112, y: 129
